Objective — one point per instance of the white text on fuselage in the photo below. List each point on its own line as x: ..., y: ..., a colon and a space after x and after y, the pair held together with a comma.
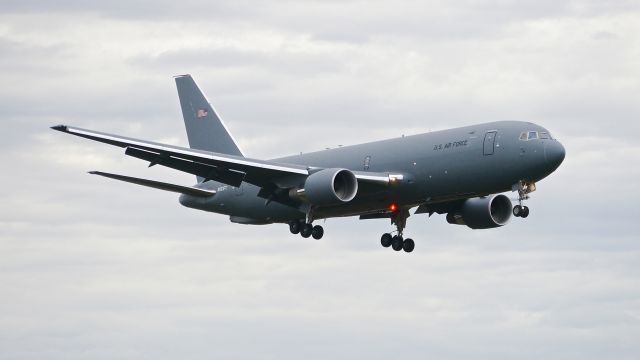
x: 450, y: 145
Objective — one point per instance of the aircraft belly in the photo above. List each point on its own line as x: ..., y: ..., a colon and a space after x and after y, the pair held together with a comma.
x: 243, y: 203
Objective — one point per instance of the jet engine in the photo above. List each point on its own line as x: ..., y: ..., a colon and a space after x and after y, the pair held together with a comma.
x: 482, y: 213
x: 328, y: 187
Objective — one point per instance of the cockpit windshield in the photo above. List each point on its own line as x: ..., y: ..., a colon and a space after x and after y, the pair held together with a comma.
x: 533, y: 135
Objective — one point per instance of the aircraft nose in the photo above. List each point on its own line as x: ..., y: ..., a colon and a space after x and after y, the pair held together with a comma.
x: 554, y: 153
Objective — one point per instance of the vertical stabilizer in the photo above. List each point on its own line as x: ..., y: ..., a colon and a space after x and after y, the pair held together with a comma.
x: 205, y: 129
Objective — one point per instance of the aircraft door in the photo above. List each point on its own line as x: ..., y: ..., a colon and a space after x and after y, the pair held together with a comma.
x: 367, y: 162
x: 489, y: 142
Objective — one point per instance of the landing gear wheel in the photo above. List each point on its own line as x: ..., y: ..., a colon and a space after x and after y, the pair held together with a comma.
x: 408, y: 245
x: 317, y: 232
x: 386, y: 240
x: 294, y: 227
x: 518, y: 211
x: 306, y: 230
x: 525, y: 212
x: 396, y: 243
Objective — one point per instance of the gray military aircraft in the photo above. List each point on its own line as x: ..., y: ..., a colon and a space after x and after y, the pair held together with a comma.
x: 458, y: 172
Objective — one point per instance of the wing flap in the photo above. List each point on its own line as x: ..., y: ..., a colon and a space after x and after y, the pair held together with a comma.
x: 187, y: 190
x: 205, y: 171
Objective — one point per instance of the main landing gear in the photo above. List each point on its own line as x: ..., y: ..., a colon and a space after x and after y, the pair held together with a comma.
x: 397, y: 242
x: 306, y: 229
x: 523, y: 188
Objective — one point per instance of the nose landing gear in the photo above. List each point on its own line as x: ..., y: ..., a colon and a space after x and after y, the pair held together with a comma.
x: 524, y: 189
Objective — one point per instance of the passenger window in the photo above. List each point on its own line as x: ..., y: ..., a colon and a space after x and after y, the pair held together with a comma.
x: 523, y: 136
x: 544, y: 136
x: 533, y: 135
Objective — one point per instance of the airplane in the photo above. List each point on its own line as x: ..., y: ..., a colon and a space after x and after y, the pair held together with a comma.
x: 461, y: 173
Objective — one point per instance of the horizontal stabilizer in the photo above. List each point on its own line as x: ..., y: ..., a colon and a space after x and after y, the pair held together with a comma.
x: 187, y: 190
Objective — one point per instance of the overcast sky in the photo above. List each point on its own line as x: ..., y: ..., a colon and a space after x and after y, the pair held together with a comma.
x: 95, y: 269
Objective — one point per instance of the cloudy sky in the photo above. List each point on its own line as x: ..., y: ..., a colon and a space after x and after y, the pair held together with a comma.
x: 95, y: 269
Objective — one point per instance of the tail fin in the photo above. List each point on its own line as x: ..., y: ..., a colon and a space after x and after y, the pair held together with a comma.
x: 205, y: 129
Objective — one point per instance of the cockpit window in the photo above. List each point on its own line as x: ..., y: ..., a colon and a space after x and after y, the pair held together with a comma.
x: 533, y: 135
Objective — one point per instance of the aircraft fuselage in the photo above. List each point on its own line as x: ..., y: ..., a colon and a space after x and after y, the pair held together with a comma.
x: 436, y: 167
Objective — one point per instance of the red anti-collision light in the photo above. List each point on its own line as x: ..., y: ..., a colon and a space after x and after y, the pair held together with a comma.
x: 393, y: 207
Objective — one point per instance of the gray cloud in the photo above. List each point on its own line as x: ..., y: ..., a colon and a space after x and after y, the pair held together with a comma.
x: 96, y: 269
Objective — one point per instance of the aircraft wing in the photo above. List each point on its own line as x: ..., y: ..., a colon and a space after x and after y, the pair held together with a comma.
x: 210, y: 165
x: 228, y: 169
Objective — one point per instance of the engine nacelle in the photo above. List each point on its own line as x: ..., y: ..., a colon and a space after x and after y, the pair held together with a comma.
x: 482, y: 213
x: 328, y: 187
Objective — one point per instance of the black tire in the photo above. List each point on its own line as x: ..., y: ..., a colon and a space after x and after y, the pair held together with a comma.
x: 386, y: 240
x: 408, y: 245
x: 306, y: 230
x: 317, y: 232
x: 396, y: 243
x: 525, y: 212
x: 294, y: 227
x: 517, y: 211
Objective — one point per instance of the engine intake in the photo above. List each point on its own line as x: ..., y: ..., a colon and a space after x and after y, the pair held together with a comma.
x: 482, y: 213
x: 328, y: 187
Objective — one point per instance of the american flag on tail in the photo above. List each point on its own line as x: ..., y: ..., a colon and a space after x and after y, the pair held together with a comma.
x: 201, y: 113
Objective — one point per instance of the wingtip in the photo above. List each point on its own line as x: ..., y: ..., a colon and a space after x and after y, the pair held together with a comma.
x: 93, y: 172
x: 60, y: 127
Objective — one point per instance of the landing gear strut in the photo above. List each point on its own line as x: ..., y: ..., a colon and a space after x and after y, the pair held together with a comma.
x: 397, y: 242
x: 523, y: 188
